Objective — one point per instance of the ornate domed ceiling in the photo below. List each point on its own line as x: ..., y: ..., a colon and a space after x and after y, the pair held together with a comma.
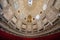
x: 30, y: 18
